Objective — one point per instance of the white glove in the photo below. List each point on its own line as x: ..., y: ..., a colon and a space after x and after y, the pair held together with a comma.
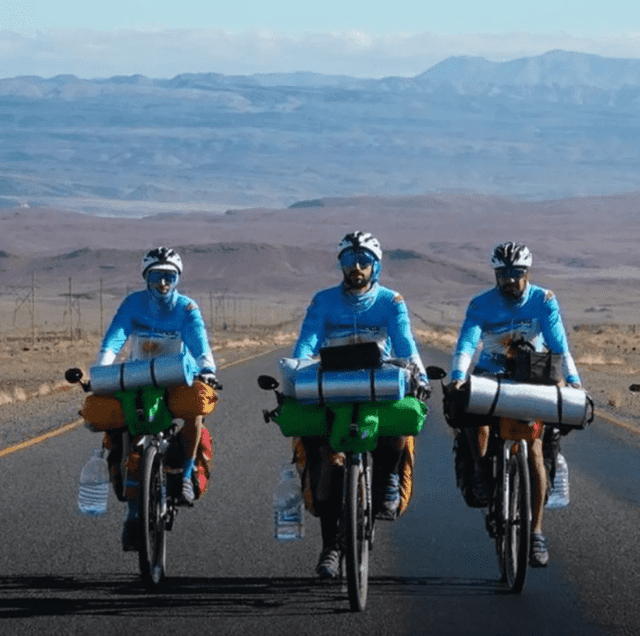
x: 105, y: 358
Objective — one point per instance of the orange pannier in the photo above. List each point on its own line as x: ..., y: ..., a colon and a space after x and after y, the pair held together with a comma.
x: 103, y: 412
x: 190, y: 401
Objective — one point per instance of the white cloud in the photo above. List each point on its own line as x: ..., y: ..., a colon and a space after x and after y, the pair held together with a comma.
x: 166, y: 53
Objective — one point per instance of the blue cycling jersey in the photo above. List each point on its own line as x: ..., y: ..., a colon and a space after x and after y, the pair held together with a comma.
x: 499, y: 321
x: 157, y: 330
x: 336, y: 316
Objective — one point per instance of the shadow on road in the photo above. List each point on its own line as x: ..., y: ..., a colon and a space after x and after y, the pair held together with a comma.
x: 32, y: 596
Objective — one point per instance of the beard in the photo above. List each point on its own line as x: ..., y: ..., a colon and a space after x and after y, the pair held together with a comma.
x: 356, y: 281
x: 512, y: 292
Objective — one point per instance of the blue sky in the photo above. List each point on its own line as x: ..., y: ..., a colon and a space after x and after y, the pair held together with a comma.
x: 367, y: 39
x: 574, y: 17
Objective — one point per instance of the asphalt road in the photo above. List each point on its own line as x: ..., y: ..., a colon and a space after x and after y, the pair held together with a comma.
x: 433, y: 571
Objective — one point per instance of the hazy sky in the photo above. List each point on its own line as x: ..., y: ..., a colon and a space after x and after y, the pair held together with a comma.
x: 160, y: 38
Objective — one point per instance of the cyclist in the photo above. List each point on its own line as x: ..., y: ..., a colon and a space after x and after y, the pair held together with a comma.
x: 511, y: 311
x: 357, y: 310
x: 160, y: 321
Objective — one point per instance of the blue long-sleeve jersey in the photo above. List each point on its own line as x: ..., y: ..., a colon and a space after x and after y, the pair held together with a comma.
x: 337, y: 317
x: 499, y: 321
x: 156, y: 331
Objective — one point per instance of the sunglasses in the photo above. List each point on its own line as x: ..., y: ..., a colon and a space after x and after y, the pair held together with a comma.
x: 512, y: 272
x: 155, y: 276
x: 351, y: 257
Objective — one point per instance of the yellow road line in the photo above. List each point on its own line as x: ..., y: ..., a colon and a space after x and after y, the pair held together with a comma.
x: 253, y: 357
x: 36, y: 440
x: 71, y: 425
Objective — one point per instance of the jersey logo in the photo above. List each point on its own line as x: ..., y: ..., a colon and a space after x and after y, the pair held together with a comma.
x: 398, y: 299
x: 191, y: 307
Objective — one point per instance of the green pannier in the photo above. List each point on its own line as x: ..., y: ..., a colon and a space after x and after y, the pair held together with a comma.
x: 301, y: 420
x: 399, y: 417
x: 341, y: 437
x: 392, y: 418
x: 387, y: 418
x: 145, y: 410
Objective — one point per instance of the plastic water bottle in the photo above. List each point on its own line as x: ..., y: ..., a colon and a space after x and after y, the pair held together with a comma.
x: 93, y: 493
x: 559, y: 496
x: 287, y: 506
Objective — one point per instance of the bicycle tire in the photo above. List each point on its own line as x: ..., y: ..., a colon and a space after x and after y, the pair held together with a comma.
x: 152, y: 553
x: 357, y: 515
x: 517, y: 536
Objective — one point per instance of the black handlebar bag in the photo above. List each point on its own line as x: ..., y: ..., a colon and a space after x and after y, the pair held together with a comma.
x: 534, y: 367
x: 351, y: 357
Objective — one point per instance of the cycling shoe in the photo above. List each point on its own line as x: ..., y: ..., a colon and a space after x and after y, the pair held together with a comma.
x: 188, y: 495
x: 538, y: 555
x: 328, y: 563
x: 388, y: 498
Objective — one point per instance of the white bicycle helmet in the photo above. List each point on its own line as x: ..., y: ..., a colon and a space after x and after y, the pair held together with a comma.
x: 511, y: 254
x: 161, y: 258
x: 360, y: 240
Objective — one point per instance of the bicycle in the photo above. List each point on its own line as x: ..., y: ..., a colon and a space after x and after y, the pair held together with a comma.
x: 508, y: 513
x: 160, y: 488
x: 356, y: 526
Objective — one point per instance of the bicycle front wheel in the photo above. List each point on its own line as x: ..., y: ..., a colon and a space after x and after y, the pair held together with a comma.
x: 518, y: 524
x: 152, y: 553
x: 357, y: 511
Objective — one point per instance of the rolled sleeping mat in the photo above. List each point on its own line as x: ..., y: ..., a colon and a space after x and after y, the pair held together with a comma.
x: 315, y: 386
x: 289, y: 368
x: 162, y: 371
x: 557, y: 405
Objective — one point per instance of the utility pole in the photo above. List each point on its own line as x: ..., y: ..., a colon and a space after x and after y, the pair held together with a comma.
x: 70, y: 313
x: 33, y: 309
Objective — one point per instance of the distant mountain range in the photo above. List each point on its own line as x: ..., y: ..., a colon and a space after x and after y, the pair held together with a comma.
x: 557, y: 125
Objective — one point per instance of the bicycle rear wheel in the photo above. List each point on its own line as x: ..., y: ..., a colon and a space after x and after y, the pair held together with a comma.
x: 357, y: 531
x: 152, y: 553
x: 517, y: 528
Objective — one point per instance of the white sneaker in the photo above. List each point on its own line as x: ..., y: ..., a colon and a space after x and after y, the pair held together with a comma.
x: 188, y: 495
x: 329, y: 563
